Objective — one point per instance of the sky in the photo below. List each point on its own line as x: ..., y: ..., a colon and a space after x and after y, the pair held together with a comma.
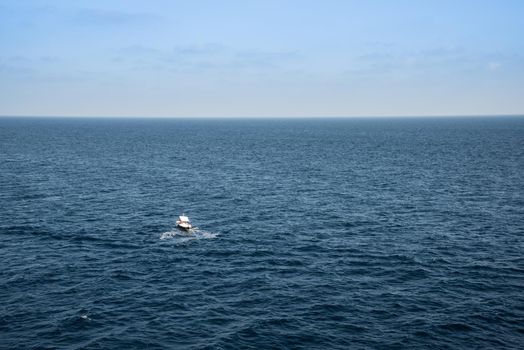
x: 261, y: 58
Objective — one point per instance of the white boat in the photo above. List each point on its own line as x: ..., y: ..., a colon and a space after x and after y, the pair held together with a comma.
x: 183, y: 223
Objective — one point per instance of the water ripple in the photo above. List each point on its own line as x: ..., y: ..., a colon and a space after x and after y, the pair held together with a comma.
x: 337, y: 234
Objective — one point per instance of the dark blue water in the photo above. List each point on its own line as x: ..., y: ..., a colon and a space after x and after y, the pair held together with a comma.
x: 313, y: 234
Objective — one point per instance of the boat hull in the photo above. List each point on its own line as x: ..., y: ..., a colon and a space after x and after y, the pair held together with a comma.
x: 184, y: 226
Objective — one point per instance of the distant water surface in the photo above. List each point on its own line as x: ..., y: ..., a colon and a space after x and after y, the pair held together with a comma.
x: 313, y: 234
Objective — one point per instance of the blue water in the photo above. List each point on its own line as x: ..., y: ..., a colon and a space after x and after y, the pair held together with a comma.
x: 314, y: 234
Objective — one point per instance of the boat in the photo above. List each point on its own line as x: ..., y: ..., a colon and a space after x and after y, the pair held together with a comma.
x: 183, y: 223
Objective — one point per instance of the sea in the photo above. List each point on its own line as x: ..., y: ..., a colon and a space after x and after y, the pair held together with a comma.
x: 350, y: 233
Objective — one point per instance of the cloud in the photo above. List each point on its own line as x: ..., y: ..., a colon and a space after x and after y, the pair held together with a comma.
x: 177, y: 51
x: 450, y: 59
x: 494, y: 66
x: 265, y: 59
x: 195, y: 50
x: 138, y: 51
x: 401, y: 57
x: 41, y: 69
x: 16, y: 72
x: 92, y: 16
x: 209, y: 56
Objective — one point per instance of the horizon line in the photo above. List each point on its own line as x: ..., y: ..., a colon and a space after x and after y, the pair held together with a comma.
x: 263, y: 117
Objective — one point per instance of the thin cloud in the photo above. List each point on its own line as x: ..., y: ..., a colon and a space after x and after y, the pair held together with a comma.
x: 440, y: 58
x: 92, y: 16
x: 41, y: 69
x: 205, y: 57
x: 266, y: 59
x: 138, y: 51
x: 195, y: 50
x: 494, y: 66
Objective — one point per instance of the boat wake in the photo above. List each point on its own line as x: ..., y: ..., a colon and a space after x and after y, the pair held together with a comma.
x: 186, y: 236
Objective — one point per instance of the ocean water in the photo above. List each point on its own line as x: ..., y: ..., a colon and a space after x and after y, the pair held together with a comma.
x: 312, y: 234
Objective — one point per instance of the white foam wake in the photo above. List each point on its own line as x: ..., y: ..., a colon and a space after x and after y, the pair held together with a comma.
x: 181, y: 236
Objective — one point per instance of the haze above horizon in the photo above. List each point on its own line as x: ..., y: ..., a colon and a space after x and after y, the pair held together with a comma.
x: 261, y: 58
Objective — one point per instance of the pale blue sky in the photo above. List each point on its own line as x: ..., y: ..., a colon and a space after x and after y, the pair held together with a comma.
x: 261, y: 58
